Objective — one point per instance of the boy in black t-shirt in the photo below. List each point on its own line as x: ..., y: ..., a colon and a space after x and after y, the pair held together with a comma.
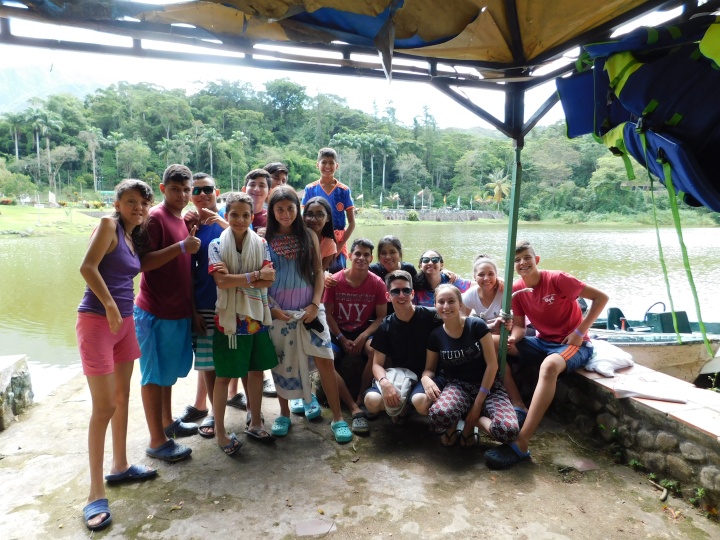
x: 401, y: 337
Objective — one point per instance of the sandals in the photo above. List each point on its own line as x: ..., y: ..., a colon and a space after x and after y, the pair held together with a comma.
x: 239, y: 401
x: 505, y: 456
x: 297, y: 406
x: 450, y: 440
x: 312, y: 409
x: 134, y: 473
x: 248, y: 419
x: 260, y: 434
x: 360, y: 424
x: 521, y: 416
x: 400, y: 419
x: 94, y: 509
x: 208, y: 426
x: 471, y: 440
x: 269, y: 388
x: 180, y: 429
x: 191, y: 414
x: 232, y: 447
x: 281, y: 426
x: 170, y: 451
x: 341, y: 431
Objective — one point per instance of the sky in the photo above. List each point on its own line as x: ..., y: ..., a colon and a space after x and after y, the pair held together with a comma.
x: 409, y: 99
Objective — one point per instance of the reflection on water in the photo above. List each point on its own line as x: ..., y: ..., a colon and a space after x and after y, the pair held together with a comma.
x: 41, y: 285
x: 623, y: 262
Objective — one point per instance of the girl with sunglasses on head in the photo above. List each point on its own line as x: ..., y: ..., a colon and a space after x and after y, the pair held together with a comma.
x: 431, y: 275
x: 318, y: 218
x: 106, y: 338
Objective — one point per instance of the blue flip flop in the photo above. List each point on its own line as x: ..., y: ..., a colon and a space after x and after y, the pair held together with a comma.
x: 232, y: 447
x: 95, y: 508
x: 135, y: 473
x: 505, y: 456
x: 170, y: 451
x: 521, y: 416
x: 312, y: 409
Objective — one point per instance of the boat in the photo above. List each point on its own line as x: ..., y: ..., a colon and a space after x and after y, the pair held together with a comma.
x: 653, y: 342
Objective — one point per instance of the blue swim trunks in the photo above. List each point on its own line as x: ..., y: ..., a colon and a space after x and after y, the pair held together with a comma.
x: 165, y: 348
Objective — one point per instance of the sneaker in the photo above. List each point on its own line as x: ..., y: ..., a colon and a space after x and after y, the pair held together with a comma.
x: 180, y: 429
x: 269, y: 388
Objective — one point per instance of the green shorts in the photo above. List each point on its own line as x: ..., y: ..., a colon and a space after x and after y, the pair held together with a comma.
x: 255, y: 352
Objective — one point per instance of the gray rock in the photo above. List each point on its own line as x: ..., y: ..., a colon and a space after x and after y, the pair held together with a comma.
x: 679, y: 468
x: 646, y: 439
x: 585, y: 424
x: 626, y: 436
x: 710, y: 478
x: 692, y: 451
x: 665, y: 441
x: 654, y: 461
x: 15, y: 388
x: 608, y: 423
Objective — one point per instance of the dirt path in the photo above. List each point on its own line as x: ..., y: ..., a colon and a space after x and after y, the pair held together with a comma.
x: 397, y: 483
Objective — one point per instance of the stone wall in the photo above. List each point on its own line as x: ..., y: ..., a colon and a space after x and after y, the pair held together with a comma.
x: 643, y: 436
x: 16, y: 393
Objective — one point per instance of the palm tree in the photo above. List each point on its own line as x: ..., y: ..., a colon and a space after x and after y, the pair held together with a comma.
x: 387, y: 147
x: 15, y: 122
x: 114, y: 139
x: 500, y: 185
x: 32, y: 116
x: 241, y: 139
x: 164, y: 147
x: 49, y: 121
x: 93, y: 139
x: 211, y: 136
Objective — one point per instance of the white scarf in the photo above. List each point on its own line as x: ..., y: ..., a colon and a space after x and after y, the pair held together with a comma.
x: 241, y: 301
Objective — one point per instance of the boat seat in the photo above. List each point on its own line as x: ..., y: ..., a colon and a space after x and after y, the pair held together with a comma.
x: 614, y: 316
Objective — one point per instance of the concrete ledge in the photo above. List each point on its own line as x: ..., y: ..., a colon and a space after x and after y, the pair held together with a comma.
x: 16, y: 393
x: 676, y: 441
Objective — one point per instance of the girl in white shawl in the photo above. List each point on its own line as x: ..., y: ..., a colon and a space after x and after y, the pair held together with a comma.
x: 239, y: 262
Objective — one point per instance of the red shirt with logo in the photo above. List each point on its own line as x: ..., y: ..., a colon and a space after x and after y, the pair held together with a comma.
x: 552, y: 306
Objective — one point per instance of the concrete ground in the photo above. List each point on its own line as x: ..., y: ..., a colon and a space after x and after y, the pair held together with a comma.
x: 398, y: 482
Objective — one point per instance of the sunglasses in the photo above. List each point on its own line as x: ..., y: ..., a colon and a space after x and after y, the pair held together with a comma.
x: 207, y: 190
x: 405, y: 290
x: 434, y: 260
x: 318, y: 216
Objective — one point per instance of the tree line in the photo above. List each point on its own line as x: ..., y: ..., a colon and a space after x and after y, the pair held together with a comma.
x: 73, y: 146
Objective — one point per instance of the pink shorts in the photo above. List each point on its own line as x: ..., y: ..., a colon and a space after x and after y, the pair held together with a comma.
x: 100, y: 349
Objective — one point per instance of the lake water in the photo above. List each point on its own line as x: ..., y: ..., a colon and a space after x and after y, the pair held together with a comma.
x: 42, y: 287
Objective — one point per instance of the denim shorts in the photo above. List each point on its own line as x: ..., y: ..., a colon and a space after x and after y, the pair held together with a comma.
x: 534, y: 351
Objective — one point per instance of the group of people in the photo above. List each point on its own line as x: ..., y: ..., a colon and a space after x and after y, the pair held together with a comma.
x: 269, y: 283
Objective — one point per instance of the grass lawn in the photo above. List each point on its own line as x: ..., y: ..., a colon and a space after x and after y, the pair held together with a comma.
x: 28, y: 220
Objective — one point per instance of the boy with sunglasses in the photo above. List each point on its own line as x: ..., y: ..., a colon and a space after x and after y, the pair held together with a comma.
x: 402, y: 337
x: 210, y: 223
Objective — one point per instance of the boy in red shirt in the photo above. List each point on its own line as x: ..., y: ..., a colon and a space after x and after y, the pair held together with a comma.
x: 561, y: 345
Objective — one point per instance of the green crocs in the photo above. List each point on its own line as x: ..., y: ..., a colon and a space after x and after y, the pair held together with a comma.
x: 281, y: 426
x: 342, y: 432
